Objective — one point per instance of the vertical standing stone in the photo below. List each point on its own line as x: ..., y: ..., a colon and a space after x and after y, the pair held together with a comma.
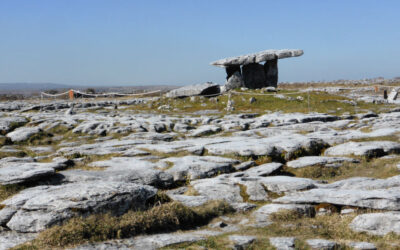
x: 254, y: 76
x: 271, y: 73
x: 234, y: 81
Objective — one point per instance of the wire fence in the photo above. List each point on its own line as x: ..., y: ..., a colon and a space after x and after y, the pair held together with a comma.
x: 83, y: 94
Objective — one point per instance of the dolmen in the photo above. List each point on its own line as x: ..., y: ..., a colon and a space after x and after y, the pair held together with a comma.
x: 247, y: 70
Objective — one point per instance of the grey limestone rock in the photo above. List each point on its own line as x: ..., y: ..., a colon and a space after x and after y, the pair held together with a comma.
x: 254, y: 76
x: 241, y: 242
x: 321, y: 244
x: 234, y: 81
x: 368, y: 149
x: 123, y: 169
x: 40, y: 207
x: 283, y: 243
x: 386, y: 199
x: 23, y: 134
x: 377, y: 223
x: 307, y: 161
x: 10, y: 239
x: 14, y: 172
x: 362, y: 245
x: 218, y: 189
x: 207, y: 88
x: 197, y: 167
x: 258, y: 57
x: 264, y: 169
x: 9, y: 123
x: 205, y: 130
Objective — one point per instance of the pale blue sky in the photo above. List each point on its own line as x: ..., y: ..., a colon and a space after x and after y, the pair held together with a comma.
x: 116, y: 42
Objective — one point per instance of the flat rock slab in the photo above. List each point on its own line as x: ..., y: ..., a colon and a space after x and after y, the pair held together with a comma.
x: 283, y: 243
x: 23, y: 134
x: 218, y: 189
x: 362, y: 245
x: 14, y: 174
x: 293, y: 118
x: 122, y: 169
x: 151, y: 242
x: 11, y: 122
x: 205, y: 130
x: 377, y: 223
x: 35, y: 209
x: 364, y: 183
x: 198, y: 167
x: 9, y: 239
x: 368, y: 149
x: 308, y: 161
x: 241, y: 242
x: 207, y: 88
x: 258, y: 57
x: 321, y: 244
x: 262, y: 170
x: 279, y: 184
x: 274, y: 146
x: 386, y: 199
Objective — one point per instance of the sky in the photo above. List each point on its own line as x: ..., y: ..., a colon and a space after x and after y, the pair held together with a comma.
x: 129, y: 42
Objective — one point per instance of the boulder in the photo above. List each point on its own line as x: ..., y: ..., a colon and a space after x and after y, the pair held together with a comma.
x: 207, y: 88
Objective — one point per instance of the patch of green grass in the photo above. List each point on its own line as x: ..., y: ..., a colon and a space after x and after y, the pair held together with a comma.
x: 163, y: 218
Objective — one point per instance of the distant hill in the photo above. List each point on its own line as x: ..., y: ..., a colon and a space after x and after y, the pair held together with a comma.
x: 27, y: 89
x: 30, y: 87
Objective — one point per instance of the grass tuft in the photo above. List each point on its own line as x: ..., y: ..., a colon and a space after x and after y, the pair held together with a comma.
x: 100, y: 227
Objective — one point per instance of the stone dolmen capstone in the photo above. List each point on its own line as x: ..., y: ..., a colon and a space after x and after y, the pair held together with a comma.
x: 247, y: 71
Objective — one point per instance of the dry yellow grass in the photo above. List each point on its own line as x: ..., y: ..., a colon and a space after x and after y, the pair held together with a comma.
x: 163, y: 218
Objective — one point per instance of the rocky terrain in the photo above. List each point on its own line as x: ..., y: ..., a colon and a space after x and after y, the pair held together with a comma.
x: 294, y: 169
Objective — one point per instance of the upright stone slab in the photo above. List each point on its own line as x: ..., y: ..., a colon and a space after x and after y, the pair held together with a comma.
x: 254, y: 76
x: 271, y: 73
